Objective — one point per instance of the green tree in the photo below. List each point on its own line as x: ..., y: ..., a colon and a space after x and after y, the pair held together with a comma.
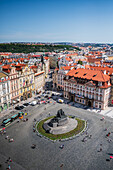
x: 80, y: 62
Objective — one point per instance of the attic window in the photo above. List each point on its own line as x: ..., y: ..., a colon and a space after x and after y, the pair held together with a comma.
x: 94, y: 75
x: 84, y: 74
x: 76, y: 73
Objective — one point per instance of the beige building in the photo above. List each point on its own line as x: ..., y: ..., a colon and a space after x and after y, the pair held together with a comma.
x: 39, y: 78
x: 26, y: 81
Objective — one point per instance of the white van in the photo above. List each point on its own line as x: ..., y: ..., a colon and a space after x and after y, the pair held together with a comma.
x: 33, y: 103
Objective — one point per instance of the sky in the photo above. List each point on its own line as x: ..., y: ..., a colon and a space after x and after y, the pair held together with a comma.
x: 76, y: 21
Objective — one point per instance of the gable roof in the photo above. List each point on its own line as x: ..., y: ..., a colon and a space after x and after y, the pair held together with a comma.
x: 90, y: 83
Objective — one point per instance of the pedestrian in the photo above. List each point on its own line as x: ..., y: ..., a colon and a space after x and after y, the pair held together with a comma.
x: 100, y: 149
x: 109, y: 140
x: 10, y: 160
x: 90, y: 136
x: 9, y: 166
x: 61, y: 165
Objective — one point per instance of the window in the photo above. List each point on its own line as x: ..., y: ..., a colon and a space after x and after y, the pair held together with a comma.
x: 100, y: 90
x: 96, y: 97
x: 100, y: 98
x: 89, y: 96
x: 100, y: 106
x: 4, y: 98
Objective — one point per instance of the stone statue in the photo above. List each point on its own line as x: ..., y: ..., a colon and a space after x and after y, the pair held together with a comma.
x: 60, y: 113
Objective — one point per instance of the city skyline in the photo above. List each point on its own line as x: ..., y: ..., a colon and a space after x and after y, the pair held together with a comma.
x: 56, y: 21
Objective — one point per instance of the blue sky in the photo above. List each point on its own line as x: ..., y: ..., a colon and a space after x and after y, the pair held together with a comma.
x: 56, y: 21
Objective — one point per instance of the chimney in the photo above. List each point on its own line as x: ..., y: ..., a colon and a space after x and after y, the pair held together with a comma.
x: 104, y: 71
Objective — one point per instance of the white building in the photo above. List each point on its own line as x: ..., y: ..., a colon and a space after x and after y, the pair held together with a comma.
x: 5, y: 96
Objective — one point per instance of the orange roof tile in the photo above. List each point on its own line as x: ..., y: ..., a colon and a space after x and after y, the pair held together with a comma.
x: 46, y: 58
x: 89, y: 74
x: 39, y: 73
x: 68, y: 59
x: 6, y: 67
x: 31, y: 67
x: 66, y: 67
x: 109, y: 70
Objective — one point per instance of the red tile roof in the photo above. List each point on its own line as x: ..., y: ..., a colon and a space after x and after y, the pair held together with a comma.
x: 56, y: 68
x: 68, y: 59
x: 46, y: 58
x: 6, y: 67
x: 89, y: 74
x: 109, y: 70
x: 66, y: 67
x: 31, y: 67
x: 39, y: 73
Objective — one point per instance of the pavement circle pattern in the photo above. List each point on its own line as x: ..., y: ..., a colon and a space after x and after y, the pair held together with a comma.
x: 79, y: 128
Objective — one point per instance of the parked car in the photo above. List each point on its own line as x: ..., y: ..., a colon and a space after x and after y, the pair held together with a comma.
x: 33, y: 103
x: 18, y: 108
x: 43, y: 101
x: 26, y: 104
x: 21, y: 107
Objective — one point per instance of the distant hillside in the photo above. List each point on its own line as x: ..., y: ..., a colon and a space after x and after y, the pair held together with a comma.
x: 24, y: 48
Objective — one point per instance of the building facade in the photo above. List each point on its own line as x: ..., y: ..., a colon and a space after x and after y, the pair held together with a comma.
x: 88, y: 87
x: 5, y: 97
x: 14, y: 87
x: 26, y: 83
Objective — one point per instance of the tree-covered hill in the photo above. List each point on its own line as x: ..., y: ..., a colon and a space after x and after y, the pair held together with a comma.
x: 24, y: 48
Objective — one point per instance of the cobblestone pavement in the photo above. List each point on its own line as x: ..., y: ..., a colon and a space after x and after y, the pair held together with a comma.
x: 47, y: 155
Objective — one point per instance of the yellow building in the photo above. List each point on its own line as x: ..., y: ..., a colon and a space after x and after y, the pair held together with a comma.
x: 26, y: 82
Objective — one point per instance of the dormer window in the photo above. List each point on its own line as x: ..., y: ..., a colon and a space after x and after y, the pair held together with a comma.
x: 84, y: 74
x: 94, y: 75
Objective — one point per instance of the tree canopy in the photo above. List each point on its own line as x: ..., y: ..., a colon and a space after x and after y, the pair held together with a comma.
x: 24, y: 48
